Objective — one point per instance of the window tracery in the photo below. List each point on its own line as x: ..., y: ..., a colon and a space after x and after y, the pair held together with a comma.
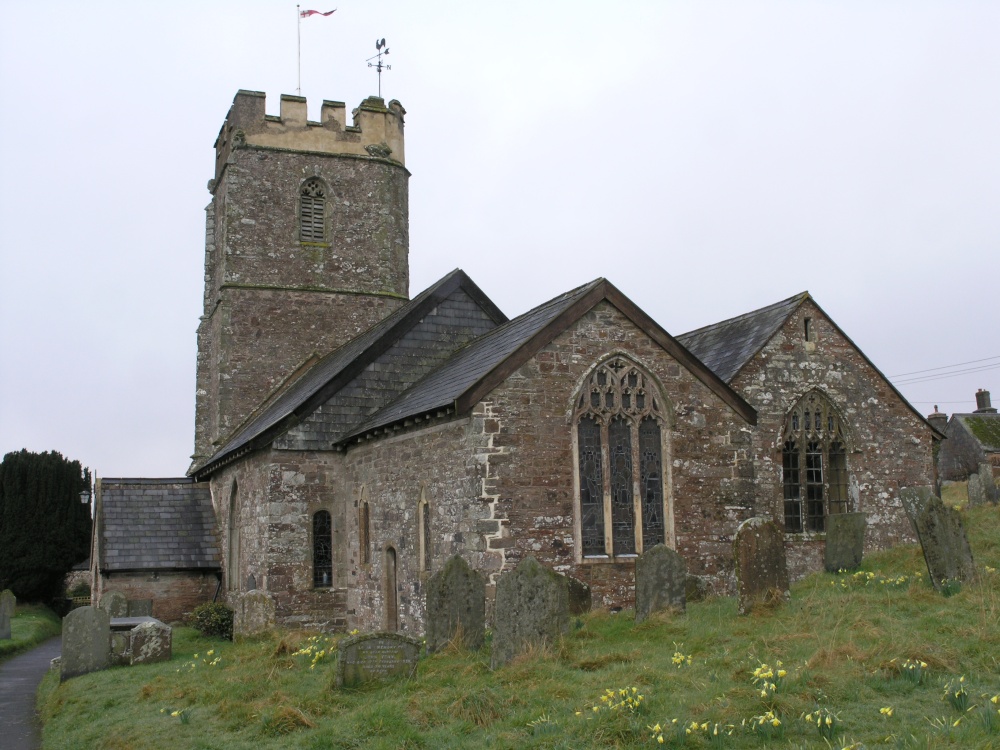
x: 619, y: 421
x: 813, y: 464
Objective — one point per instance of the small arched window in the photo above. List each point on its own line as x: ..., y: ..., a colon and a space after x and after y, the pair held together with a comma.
x: 813, y: 465
x: 233, y: 528
x: 619, y: 418
x: 322, y: 550
x: 312, y: 211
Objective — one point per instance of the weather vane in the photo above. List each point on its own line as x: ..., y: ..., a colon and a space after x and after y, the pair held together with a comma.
x: 382, y: 50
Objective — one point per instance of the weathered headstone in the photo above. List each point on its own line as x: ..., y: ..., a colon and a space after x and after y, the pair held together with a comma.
x: 151, y: 642
x: 914, y: 500
x: 121, y: 655
x: 660, y: 582
x: 86, y: 642
x: 532, y: 609
x: 696, y: 588
x: 945, y: 545
x: 253, y: 613
x: 375, y: 656
x: 761, y: 569
x: 975, y: 489
x: 845, y: 541
x: 7, y: 604
x: 114, y: 603
x: 580, y: 599
x: 140, y: 608
x: 456, y: 606
x: 990, y: 489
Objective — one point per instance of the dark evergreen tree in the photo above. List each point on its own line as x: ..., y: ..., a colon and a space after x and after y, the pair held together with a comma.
x: 44, y: 528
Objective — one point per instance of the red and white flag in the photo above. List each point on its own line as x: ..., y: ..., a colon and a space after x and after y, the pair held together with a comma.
x: 307, y: 13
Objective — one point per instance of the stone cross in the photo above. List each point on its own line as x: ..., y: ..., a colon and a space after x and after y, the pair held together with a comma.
x: 761, y: 569
x: 660, y: 582
x: 532, y: 610
x: 456, y: 606
x: 845, y: 541
x: 945, y: 545
x: 86, y: 642
x: 7, y: 604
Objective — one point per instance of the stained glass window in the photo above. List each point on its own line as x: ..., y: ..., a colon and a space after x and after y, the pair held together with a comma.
x: 620, y: 461
x: 322, y: 550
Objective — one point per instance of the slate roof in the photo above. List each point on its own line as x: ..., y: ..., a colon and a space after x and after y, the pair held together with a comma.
x: 728, y: 345
x: 444, y: 385
x: 156, y: 524
x: 984, y: 427
x: 484, y: 362
x: 336, y: 369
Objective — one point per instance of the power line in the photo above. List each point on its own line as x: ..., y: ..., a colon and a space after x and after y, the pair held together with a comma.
x: 945, y: 375
x: 945, y: 367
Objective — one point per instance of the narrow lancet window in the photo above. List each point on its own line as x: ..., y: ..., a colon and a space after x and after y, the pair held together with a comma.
x: 312, y: 211
x: 322, y: 550
x: 591, y: 486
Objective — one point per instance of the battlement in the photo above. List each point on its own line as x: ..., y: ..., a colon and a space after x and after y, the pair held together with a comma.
x: 377, y: 129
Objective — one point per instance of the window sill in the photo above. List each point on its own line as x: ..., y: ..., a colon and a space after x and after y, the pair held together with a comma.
x: 806, y: 536
x: 314, y: 244
x: 608, y: 559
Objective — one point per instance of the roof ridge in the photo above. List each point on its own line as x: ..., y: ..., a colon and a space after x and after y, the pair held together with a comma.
x: 800, y: 297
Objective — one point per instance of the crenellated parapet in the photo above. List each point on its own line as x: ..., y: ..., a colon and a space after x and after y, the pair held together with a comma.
x: 376, y: 131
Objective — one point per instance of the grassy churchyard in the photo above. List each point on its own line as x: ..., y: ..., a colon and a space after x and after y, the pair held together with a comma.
x: 31, y: 624
x: 871, y: 659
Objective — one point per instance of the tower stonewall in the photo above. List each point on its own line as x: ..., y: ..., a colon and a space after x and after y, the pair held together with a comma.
x: 306, y: 246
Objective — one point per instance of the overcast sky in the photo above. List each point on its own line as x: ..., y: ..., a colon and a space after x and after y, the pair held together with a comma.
x: 709, y: 158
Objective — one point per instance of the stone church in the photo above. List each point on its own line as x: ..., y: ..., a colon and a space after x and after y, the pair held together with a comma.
x: 350, y: 439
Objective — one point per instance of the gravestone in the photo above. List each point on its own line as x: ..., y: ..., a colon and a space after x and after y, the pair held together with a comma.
x: 7, y: 604
x: 660, y: 582
x: 150, y: 642
x: 375, y: 656
x: 253, y: 613
x: 914, y: 500
x: 456, y: 606
x: 114, y: 603
x: 845, y: 541
x: 140, y: 608
x: 975, y: 489
x: 121, y: 655
x: 580, y: 600
x: 761, y: 569
x: 86, y: 642
x: 532, y: 609
x: 696, y: 588
x: 945, y: 545
x: 990, y: 489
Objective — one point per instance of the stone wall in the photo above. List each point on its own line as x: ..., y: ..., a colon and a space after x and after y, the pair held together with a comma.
x: 270, y: 300
x: 175, y: 594
x: 529, y: 472
x: 889, y: 446
x: 960, y: 454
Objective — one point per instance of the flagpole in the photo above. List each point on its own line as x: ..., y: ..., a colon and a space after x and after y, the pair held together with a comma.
x: 298, y: 22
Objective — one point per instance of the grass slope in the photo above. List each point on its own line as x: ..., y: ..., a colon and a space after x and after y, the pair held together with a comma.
x: 842, y: 641
x: 31, y: 624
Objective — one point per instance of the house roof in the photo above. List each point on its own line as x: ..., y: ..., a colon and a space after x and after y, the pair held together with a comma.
x: 156, y: 524
x: 984, y: 427
x: 728, y: 345
x: 477, y: 368
x: 338, y: 368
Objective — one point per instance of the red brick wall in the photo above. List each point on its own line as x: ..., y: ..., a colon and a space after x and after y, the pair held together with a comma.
x: 175, y: 594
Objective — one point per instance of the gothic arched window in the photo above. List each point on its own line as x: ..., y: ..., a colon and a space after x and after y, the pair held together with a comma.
x: 364, y: 532
x: 813, y: 465
x: 322, y: 550
x: 233, y: 528
x: 620, y: 418
x: 312, y: 211
x: 424, y: 533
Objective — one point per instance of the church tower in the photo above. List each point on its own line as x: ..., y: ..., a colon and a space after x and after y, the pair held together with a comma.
x: 306, y: 246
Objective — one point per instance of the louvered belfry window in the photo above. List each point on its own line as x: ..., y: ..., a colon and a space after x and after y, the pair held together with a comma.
x: 312, y: 209
x: 813, y: 465
x: 619, y: 421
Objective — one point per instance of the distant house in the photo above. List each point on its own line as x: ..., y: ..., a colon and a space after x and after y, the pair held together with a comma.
x: 973, y: 439
x: 155, y: 539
